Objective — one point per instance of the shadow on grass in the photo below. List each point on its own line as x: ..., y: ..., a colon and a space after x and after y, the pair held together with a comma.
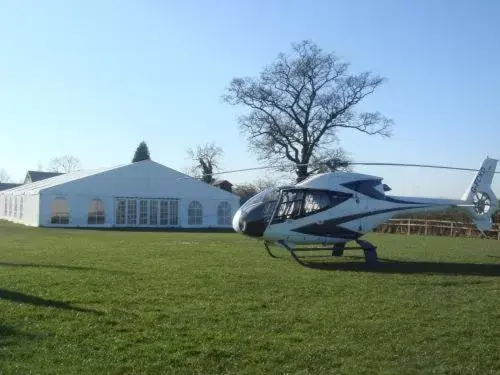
x: 57, y: 266
x: 7, y: 331
x: 411, y: 267
x: 37, y: 301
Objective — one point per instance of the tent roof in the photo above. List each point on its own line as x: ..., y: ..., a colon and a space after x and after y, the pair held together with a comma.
x: 36, y: 187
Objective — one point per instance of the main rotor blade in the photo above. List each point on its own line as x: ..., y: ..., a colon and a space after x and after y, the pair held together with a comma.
x: 419, y: 165
x: 249, y: 169
x: 353, y: 163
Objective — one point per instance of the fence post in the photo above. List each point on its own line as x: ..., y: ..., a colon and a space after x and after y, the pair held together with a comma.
x: 451, y: 229
x: 425, y: 228
x: 409, y: 226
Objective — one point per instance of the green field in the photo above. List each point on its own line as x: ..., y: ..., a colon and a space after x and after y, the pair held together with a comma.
x: 76, y: 301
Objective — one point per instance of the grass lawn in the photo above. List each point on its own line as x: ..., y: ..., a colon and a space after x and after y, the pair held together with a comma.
x: 76, y: 301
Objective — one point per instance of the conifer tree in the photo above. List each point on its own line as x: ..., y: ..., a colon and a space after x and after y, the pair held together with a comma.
x: 141, y: 153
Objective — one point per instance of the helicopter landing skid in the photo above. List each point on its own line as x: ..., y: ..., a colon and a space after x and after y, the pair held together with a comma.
x: 369, y: 250
x: 266, y: 245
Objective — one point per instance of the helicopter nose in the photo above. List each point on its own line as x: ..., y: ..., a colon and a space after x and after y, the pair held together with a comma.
x: 249, y: 223
x: 236, y: 221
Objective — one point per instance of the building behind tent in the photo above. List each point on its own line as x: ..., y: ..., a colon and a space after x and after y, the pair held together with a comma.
x: 34, y: 176
x: 224, y: 185
x: 143, y: 194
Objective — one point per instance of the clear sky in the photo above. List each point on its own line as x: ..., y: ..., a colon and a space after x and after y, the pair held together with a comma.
x: 94, y: 78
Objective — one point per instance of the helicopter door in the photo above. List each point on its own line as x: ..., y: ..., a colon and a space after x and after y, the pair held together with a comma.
x: 363, y: 206
x: 362, y: 203
x: 289, y: 208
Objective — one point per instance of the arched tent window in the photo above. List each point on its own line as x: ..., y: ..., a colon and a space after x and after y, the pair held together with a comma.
x: 224, y: 213
x: 96, y: 212
x: 195, y: 213
x: 60, y: 211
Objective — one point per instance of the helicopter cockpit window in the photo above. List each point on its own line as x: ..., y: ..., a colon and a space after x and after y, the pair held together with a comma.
x: 290, y: 205
x: 300, y: 203
x: 316, y: 201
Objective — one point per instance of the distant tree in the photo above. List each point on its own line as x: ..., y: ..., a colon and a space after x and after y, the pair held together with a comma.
x: 262, y: 184
x: 4, y: 176
x: 65, y: 164
x: 206, y: 161
x: 141, y: 153
x: 298, y: 103
x: 245, y: 191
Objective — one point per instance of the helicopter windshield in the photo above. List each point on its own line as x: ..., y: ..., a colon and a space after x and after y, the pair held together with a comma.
x: 265, y: 196
x: 256, y: 213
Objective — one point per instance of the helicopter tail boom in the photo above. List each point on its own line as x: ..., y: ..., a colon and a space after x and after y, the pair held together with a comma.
x: 479, y: 200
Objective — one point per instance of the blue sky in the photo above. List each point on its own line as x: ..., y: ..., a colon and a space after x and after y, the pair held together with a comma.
x: 94, y: 78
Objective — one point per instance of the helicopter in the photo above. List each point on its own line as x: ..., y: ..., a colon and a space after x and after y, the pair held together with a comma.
x: 331, y: 209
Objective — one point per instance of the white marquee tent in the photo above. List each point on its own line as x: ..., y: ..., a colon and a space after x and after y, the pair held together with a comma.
x: 142, y: 194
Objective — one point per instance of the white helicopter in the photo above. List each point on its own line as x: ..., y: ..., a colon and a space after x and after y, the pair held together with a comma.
x: 334, y: 208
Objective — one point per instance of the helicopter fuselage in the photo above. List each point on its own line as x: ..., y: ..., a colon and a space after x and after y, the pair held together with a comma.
x: 357, y: 217
x: 327, y: 208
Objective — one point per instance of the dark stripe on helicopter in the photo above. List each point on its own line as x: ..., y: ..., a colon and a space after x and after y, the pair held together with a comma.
x: 332, y: 228
x: 367, y: 187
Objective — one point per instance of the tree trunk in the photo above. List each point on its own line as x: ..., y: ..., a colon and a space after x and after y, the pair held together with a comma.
x: 302, y: 173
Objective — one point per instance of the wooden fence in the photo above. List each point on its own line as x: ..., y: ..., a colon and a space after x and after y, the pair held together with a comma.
x: 436, y: 228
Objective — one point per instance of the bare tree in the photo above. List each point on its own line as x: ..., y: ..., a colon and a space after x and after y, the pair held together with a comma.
x: 4, y: 176
x: 298, y: 103
x: 262, y: 184
x: 206, y: 161
x: 245, y: 191
x: 65, y: 164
